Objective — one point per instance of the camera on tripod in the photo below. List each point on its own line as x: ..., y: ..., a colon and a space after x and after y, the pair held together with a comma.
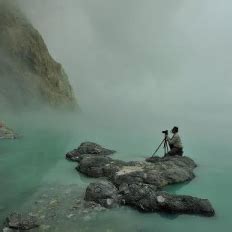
x: 164, y: 143
x: 165, y: 132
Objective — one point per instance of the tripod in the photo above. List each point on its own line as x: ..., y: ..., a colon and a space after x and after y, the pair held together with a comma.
x: 165, y: 146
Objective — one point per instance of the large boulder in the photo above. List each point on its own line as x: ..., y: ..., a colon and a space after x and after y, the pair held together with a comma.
x: 21, y: 222
x: 103, y: 193
x: 146, y: 198
x: 88, y: 148
x: 184, y: 204
x: 99, y: 166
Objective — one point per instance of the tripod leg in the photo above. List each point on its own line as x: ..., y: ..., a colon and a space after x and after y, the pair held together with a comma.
x: 158, y: 147
x: 165, y: 147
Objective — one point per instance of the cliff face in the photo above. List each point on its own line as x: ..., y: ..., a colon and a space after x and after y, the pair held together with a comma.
x: 28, y: 73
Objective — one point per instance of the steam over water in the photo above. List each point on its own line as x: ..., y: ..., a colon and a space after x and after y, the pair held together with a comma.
x: 138, y: 67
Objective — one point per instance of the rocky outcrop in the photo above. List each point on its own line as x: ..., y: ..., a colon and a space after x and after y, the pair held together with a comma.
x: 139, y: 184
x: 103, y: 193
x: 166, y: 171
x: 21, y: 222
x: 7, y: 133
x: 28, y: 74
x: 146, y: 198
x: 87, y: 148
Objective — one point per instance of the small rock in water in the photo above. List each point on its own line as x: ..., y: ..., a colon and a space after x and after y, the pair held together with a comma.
x: 53, y: 202
x: 85, y: 211
x: 6, y: 229
x: 7, y: 133
x: 21, y: 222
x: 70, y: 215
x: 88, y: 148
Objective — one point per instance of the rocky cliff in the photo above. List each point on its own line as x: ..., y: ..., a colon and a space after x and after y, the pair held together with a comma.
x: 28, y: 74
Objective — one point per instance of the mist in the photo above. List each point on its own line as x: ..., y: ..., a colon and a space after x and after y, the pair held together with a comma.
x: 137, y: 67
x: 142, y: 65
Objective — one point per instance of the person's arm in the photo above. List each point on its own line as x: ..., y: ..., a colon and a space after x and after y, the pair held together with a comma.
x: 171, y: 140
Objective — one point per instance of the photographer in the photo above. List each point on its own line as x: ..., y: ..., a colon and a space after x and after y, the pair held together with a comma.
x: 175, y: 143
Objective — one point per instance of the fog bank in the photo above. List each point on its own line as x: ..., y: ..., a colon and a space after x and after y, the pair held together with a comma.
x: 137, y: 63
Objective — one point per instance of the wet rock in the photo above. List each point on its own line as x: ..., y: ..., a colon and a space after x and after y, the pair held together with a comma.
x: 169, y: 171
x: 184, y: 204
x: 93, y: 205
x: 21, y: 222
x: 103, y: 193
x: 7, y: 133
x: 87, y: 148
x: 99, y: 166
x: 146, y: 198
x: 179, y: 160
x: 53, y: 202
x: 140, y: 196
x: 139, y: 184
x: 70, y: 215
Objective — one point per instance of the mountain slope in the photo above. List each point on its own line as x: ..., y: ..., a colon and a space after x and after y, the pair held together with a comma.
x: 28, y: 73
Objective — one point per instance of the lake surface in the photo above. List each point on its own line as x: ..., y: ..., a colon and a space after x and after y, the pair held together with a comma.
x: 37, y: 160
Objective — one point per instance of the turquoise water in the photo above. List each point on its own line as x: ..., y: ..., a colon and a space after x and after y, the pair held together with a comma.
x: 37, y: 160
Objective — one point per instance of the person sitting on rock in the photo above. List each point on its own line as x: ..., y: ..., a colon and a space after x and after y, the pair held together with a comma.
x: 175, y: 143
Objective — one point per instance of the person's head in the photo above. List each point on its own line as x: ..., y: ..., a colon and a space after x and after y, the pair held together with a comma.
x: 175, y: 130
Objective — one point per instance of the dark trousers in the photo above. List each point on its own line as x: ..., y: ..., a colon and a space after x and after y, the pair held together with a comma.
x: 175, y: 151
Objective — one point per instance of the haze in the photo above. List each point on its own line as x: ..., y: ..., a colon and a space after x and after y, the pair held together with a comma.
x: 142, y: 64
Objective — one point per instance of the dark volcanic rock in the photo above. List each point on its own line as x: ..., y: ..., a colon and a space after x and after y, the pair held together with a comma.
x: 146, y: 198
x: 21, y: 222
x: 140, y: 196
x: 169, y: 171
x: 179, y: 160
x: 139, y: 184
x: 103, y: 193
x: 99, y: 166
x: 184, y: 204
x: 93, y: 148
x: 88, y: 148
